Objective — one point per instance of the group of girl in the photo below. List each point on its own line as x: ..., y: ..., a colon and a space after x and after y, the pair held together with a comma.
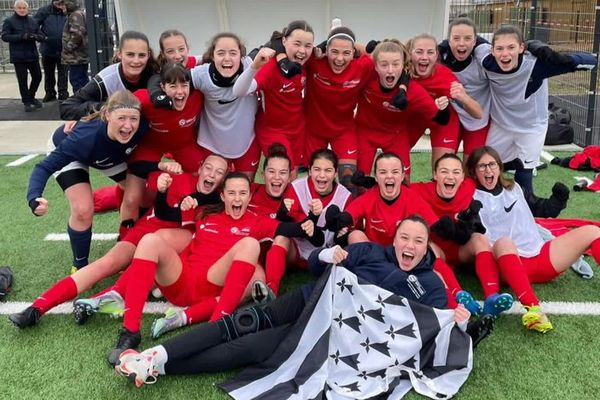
x: 291, y: 101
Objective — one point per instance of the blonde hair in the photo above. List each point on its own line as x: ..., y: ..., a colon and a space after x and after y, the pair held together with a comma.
x: 119, y: 99
x: 411, y: 46
x: 392, y: 46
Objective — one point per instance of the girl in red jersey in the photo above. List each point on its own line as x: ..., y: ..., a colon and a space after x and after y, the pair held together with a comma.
x: 171, y: 131
x: 219, y: 263
x: 161, y: 217
x: 378, y: 123
x: 280, y: 117
x: 374, y: 217
x: 333, y: 86
x: 448, y: 195
x: 441, y: 83
x: 310, y: 197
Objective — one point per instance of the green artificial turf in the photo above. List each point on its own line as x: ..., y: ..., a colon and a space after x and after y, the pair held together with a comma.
x: 60, y: 360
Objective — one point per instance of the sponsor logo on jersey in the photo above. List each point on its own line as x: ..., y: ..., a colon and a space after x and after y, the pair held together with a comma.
x: 415, y: 286
x: 104, y: 162
x: 350, y: 152
x: 448, y: 140
x: 129, y: 150
x: 273, y: 215
x: 376, y: 221
x: 240, y: 232
x: 184, y: 123
x: 509, y: 208
x: 351, y: 83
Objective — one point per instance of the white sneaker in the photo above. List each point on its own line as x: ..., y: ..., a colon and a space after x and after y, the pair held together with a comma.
x: 139, y: 368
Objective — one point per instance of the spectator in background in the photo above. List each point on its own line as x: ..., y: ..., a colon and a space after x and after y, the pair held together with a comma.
x: 21, y: 33
x: 75, y: 45
x: 51, y: 19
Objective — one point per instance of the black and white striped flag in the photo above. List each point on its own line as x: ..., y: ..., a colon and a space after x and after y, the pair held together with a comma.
x: 356, y: 340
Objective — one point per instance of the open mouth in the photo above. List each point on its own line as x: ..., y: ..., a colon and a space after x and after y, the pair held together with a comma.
x: 449, y: 186
x: 506, y: 63
x: 207, y: 186
x: 461, y: 53
x: 422, y: 67
x: 321, y: 185
x: 390, y: 80
x: 407, y: 258
x: 389, y: 187
x: 299, y: 58
x: 179, y: 102
x: 124, y: 135
x: 338, y: 66
x: 236, y: 211
x: 488, y: 180
x: 276, y: 188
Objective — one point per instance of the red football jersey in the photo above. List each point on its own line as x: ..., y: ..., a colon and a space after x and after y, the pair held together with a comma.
x: 171, y: 129
x: 380, y: 219
x: 450, y: 207
x: 281, y: 101
x: 217, y: 233
x: 376, y: 113
x: 262, y: 203
x: 183, y: 185
x: 438, y: 84
x: 331, y: 98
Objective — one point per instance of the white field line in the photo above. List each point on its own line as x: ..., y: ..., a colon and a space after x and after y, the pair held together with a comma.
x: 546, y: 156
x: 22, y: 160
x: 63, y: 237
x: 10, y: 307
x: 549, y: 307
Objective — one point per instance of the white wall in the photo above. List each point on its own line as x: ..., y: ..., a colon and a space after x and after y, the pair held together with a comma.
x: 254, y: 20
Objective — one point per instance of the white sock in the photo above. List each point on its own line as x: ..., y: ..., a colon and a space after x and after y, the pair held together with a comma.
x: 161, y: 357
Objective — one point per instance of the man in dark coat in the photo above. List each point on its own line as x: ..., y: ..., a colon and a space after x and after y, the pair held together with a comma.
x: 21, y: 32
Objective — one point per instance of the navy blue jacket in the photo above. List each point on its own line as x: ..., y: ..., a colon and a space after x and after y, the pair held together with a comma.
x: 378, y: 265
x: 89, y: 144
x: 52, y: 22
x: 21, y: 50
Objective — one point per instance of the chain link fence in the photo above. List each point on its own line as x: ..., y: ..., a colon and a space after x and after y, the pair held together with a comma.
x: 567, y: 25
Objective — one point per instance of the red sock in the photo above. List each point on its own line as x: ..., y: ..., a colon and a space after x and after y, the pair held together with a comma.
x: 143, y: 272
x: 595, y: 249
x: 488, y: 273
x: 448, y: 276
x: 514, y: 274
x: 237, y: 279
x: 275, y: 266
x: 200, y: 311
x: 61, y: 291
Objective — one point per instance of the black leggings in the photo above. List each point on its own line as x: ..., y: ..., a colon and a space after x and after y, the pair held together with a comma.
x: 205, y: 349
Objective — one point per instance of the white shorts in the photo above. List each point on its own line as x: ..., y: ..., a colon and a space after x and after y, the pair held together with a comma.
x: 512, y: 144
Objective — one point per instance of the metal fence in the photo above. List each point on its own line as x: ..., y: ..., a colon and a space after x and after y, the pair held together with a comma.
x: 102, y: 30
x: 567, y: 25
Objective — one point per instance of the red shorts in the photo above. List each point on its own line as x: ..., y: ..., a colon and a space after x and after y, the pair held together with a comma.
x: 249, y: 161
x: 345, y: 146
x: 369, y: 141
x: 441, y: 135
x: 190, y: 157
x: 450, y: 250
x: 539, y: 268
x: 147, y: 225
x: 293, y: 143
x: 473, y: 139
x: 191, y: 287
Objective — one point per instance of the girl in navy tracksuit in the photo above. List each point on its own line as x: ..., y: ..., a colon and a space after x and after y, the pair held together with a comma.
x: 103, y: 141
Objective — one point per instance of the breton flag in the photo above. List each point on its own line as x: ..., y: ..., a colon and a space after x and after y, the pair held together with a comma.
x: 357, y: 340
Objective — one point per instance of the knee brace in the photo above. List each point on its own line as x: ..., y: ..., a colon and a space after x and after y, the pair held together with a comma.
x: 345, y: 172
x: 243, y: 322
